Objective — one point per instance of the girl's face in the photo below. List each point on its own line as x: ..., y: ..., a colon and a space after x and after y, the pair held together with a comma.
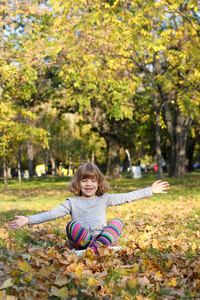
x: 89, y: 187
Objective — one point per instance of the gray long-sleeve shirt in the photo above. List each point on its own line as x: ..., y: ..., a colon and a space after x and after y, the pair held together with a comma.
x: 89, y: 212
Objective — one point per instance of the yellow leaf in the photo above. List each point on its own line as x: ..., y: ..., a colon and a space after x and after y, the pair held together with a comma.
x: 92, y: 281
x: 61, y: 74
x: 78, y: 272
x: 194, y: 246
x: 8, y: 283
x: 3, y: 234
x: 73, y: 292
x: 135, y: 268
x: 61, y: 282
x: 14, y: 273
x: 173, y: 282
x: 3, y: 294
x: 148, y: 227
x: 132, y: 282
x: 123, y: 272
x: 62, y: 293
x: 29, y: 277
x: 45, y: 272
x: 24, y: 266
x: 169, y: 263
x: 145, y: 262
x: 8, y: 297
x: 158, y: 274
x: 50, y: 253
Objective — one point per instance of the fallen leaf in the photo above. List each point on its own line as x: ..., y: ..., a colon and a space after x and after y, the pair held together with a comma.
x: 62, y: 282
x: 62, y: 293
x: 8, y: 283
x: 132, y: 282
x: 92, y: 281
x: 169, y: 263
x: 143, y: 280
x: 73, y: 292
x: 3, y: 294
x: 24, y: 266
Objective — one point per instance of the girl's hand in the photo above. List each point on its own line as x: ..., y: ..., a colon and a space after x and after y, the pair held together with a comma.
x: 159, y: 187
x: 19, y: 222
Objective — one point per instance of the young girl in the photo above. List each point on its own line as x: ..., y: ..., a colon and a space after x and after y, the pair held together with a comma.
x: 88, y: 227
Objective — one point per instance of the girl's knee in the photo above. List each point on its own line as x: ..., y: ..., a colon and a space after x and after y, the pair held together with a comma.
x: 118, y: 223
x: 70, y: 226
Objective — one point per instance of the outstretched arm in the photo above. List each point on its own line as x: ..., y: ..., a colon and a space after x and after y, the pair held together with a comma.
x: 160, y: 187
x: 19, y: 222
x: 57, y: 212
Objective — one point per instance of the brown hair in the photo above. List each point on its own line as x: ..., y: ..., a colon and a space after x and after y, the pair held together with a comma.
x: 88, y: 170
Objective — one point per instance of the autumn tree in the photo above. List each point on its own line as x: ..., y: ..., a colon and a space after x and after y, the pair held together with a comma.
x: 104, y: 55
x: 94, y: 84
x: 156, y: 40
x: 25, y: 75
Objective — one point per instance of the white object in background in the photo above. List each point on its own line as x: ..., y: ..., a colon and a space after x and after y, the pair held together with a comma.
x: 136, y: 172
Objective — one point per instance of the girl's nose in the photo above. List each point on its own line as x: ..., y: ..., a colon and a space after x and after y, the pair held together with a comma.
x: 89, y: 182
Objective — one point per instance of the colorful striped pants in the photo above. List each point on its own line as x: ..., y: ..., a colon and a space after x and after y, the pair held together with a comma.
x: 80, y: 238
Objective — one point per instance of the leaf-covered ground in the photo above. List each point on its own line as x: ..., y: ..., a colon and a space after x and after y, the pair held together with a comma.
x: 160, y: 246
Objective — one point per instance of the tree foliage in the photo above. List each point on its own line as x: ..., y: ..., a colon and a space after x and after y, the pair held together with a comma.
x: 106, y: 62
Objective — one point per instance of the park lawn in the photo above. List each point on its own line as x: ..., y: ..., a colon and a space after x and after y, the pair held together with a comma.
x: 160, y: 245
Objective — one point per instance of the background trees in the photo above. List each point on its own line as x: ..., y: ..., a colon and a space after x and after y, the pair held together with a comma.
x: 155, y: 38
x: 119, y: 67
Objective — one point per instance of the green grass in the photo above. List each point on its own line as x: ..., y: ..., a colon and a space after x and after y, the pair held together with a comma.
x: 161, y: 237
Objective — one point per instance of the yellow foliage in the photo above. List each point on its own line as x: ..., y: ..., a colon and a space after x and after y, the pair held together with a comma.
x: 135, y: 268
x: 132, y: 283
x: 62, y: 293
x: 24, y: 266
x: 169, y: 263
x: 158, y: 274
x: 173, y: 282
x: 92, y: 281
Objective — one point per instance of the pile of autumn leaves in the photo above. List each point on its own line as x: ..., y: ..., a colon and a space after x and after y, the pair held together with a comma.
x: 46, y: 272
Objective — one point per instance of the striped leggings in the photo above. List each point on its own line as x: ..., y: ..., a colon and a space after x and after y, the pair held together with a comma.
x: 80, y: 238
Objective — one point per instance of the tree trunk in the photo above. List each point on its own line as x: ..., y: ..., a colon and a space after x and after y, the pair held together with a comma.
x: 30, y: 159
x: 158, y: 145
x: 4, y: 170
x: 126, y: 163
x: 156, y: 69
x: 93, y: 157
x: 69, y: 168
x: 19, y: 171
x: 46, y: 162
x: 1, y: 90
x: 190, y: 147
x: 177, y: 128
x: 19, y: 165
x: 9, y: 172
x: 53, y: 163
x: 113, y: 161
x: 110, y: 130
